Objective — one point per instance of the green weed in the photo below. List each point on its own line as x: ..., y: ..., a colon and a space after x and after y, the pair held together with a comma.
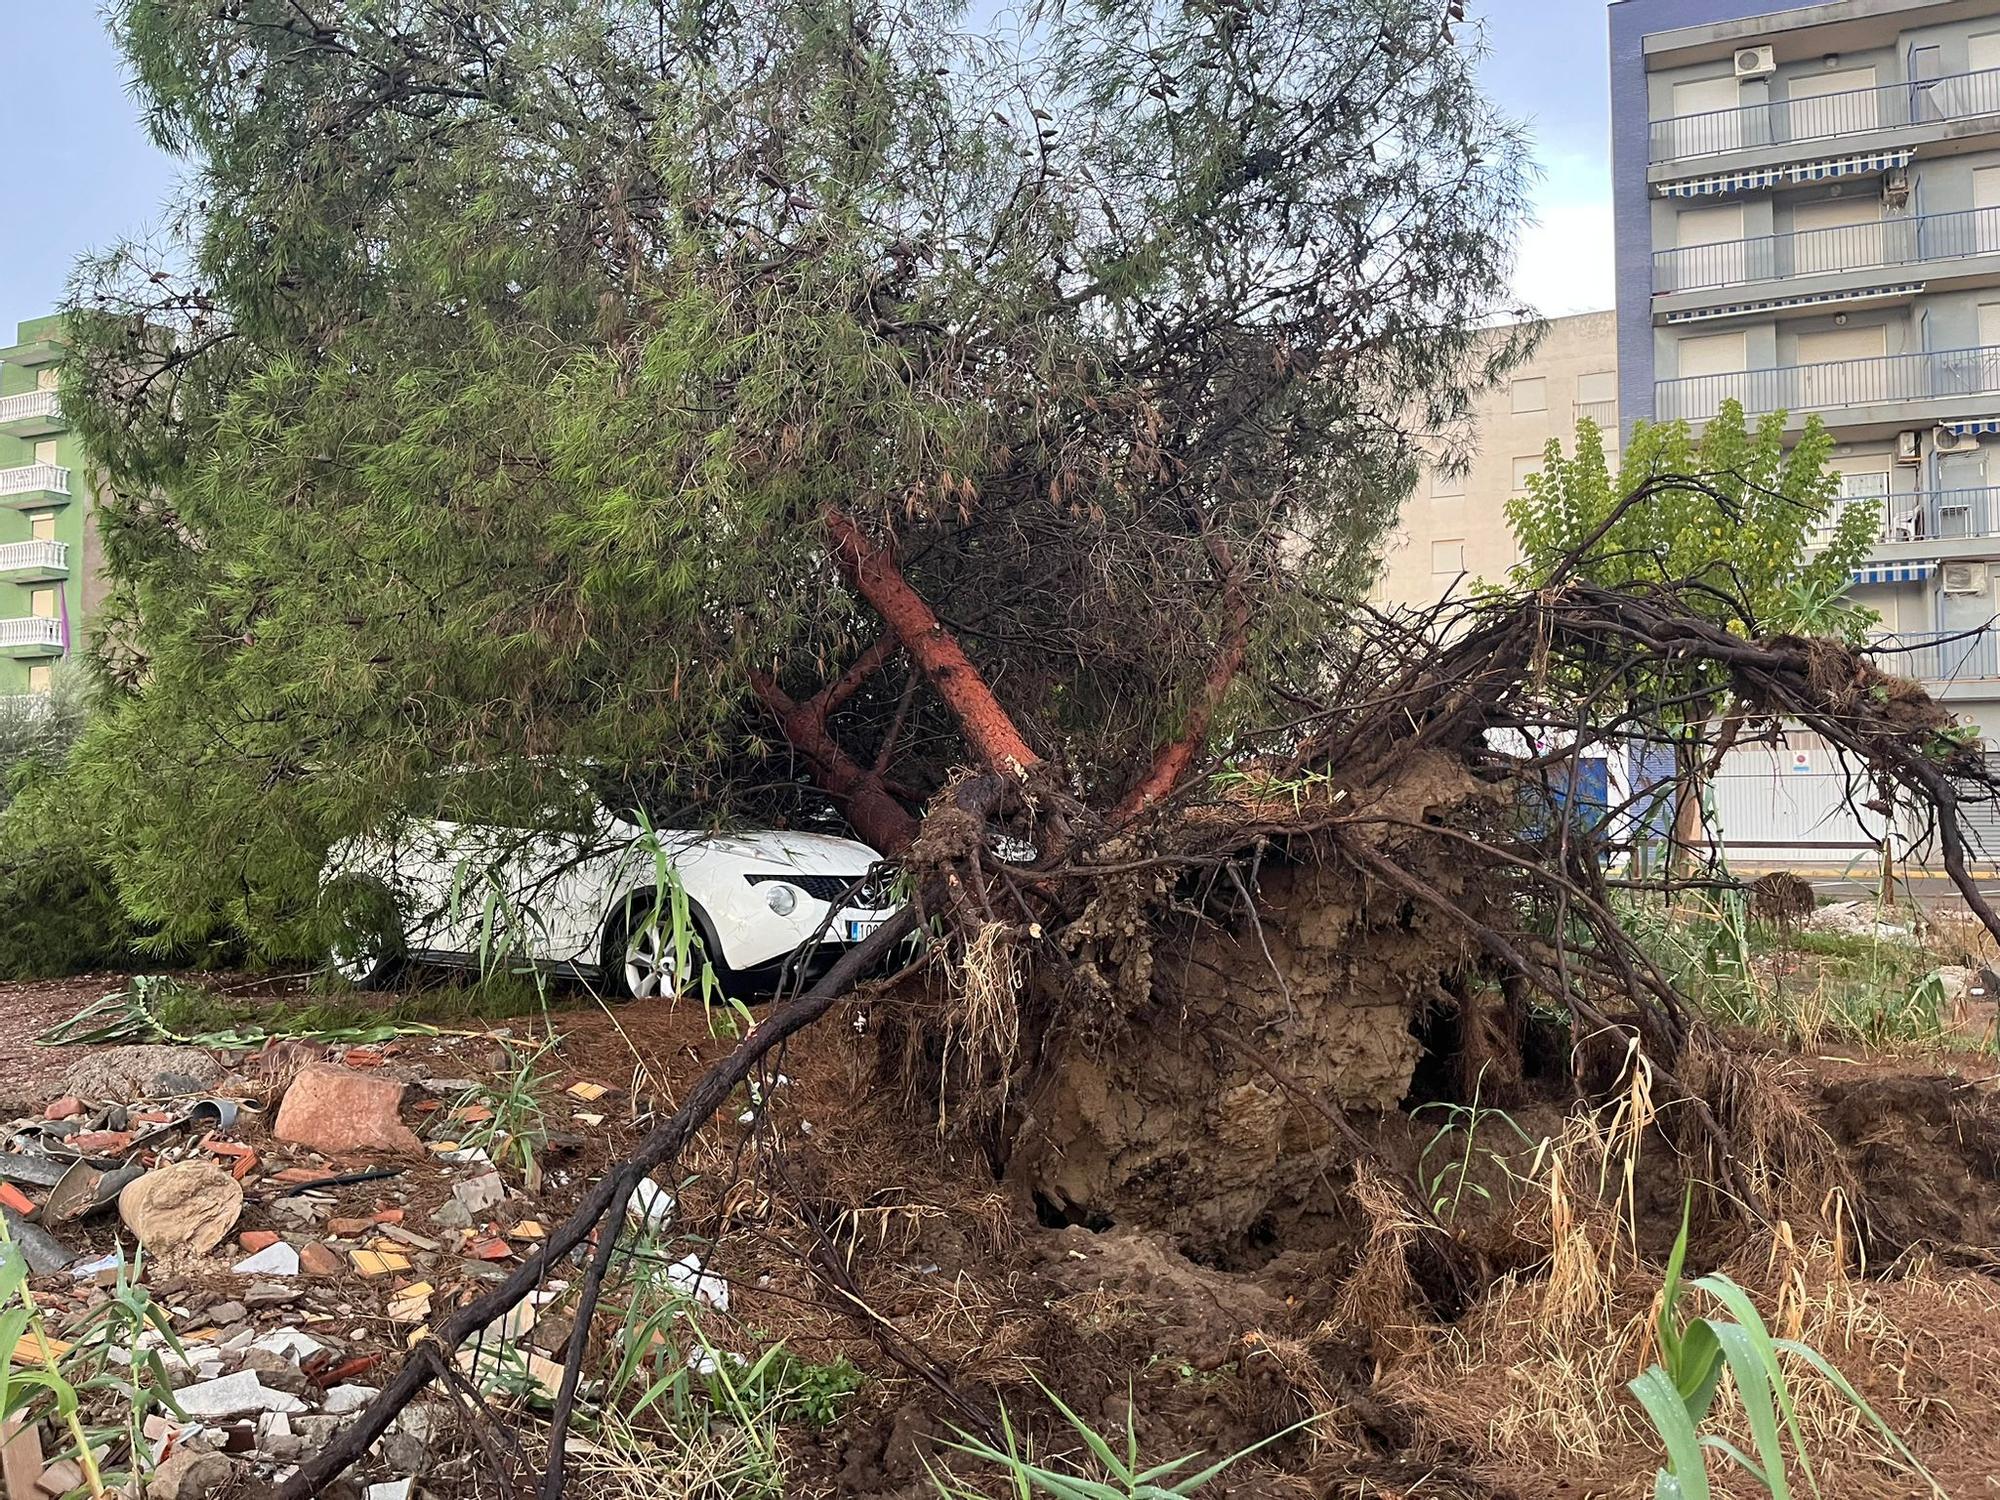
x: 1679, y: 1392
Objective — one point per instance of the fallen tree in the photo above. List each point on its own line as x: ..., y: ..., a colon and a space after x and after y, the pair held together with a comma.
x: 1396, y: 788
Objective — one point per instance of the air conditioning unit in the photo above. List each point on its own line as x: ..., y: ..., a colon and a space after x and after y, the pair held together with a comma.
x: 1755, y: 62
x: 1946, y: 440
x: 1965, y: 578
x: 1909, y: 446
x: 1896, y: 188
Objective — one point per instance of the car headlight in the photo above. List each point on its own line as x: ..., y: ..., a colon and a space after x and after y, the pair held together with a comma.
x: 782, y: 899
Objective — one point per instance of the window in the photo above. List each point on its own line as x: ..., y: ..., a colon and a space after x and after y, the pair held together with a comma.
x: 42, y: 525
x: 1717, y: 251
x: 1531, y: 393
x: 45, y: 451
x: 1837, y: 233
x: 40, y: 677
x: 1826, y: 378
x: 1713, y: 354
x: 1527, y: 465
x: 1448, y: 558
x: 1705, y: 119
x: 1812, y: 114
x: 1446, y: 485
x: 48, y: 378
x: 42, y: 604
x: 1597, y: 385
x: 1868, y: 487
x: 1982, y: 52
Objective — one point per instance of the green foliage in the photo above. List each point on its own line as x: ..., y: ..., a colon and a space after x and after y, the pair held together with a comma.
x: 520, y: 345
x: 1679, y: 1392
x: 507, y: 1120
x: 1125, y: 1475
x: 1445, y: 1166
x: 1758, y: 521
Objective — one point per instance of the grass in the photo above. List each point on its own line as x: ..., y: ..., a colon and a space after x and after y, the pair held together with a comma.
x: 1809, y: 988
x: 503, y: 1117
x: 1679, y: 1392
x: 1115, y: 1470
x: 167, y: 1008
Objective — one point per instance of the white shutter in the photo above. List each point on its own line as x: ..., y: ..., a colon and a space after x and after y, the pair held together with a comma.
x: 1832, y: 234
x: 1713, y: 354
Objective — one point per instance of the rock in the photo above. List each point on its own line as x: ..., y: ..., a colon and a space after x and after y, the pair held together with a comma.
x: 277, y: 1259
x: 60, y: 1477
x: 279, y: 1373
x: 235, y: 1395
x: 343, y: 1399
x: 187, y: 1208
x: 402, y: 1452
x: 145, y: 1071
x: 349, y: 1229
x: 253, y: 1240
x: 299, y: 1213
x: 337, y: 1111
x: 270, y: 1294
x: 66, y: 1108
x: 480, y: 1195
x: 451, y: 1214
x: 225, y: 1313
x: 317, y: 1430
x: 290, y: 1343
x: 189, y: 1475
x: 274, y: 1424
x: 394, y: 1489
x: 316, y: 1259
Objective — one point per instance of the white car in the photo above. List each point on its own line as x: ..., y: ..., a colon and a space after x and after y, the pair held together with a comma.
x: 601, y: 904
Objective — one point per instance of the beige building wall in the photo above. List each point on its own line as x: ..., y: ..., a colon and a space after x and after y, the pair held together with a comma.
x: 1453, y: 529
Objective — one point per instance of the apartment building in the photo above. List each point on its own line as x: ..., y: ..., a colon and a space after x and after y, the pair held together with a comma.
x: 48, y: 543
x: 1807, y: 209
x: 1453, y: 528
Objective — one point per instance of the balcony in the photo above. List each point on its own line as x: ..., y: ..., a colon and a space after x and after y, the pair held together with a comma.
x: 31, y: 414
x: 34, y: 486
x: 1946, y: 656
x: 1603, y: 413
x: 1935, y: 375
x: 31, y: 635
x: 1825, y: 117
x: 1853, y: 247
x: 25, y: 561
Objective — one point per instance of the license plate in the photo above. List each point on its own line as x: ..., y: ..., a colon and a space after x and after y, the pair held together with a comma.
x: 859, y: 927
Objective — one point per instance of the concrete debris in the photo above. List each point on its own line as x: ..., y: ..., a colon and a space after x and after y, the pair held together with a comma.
x: 144, y: 1071
x: 480, y: 1195
x: 237, y: 1395
x: 394, y: 1489
x: 190, y: 1474
x: 186, y: 1208
x: 651, y: 1205
x: 273, y: 1260
x: 343, y: 1399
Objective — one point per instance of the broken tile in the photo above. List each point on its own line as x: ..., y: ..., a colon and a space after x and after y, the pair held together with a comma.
x: 380, y: 1262
x: 277, y: 1259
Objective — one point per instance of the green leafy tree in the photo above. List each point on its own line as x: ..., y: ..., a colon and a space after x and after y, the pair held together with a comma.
x: 1754, y: 521
x: 747, y: 393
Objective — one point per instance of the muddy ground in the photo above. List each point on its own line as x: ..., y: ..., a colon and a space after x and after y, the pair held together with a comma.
x: 1486, y: 1362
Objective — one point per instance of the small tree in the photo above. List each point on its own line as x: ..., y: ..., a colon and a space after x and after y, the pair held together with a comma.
x: 1758, y: 527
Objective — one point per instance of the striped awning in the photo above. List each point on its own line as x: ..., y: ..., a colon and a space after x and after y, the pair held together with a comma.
x: 1811, y: 299
x: 1972, y: 426
x: 1790, y: 174
x: 1892, y: 572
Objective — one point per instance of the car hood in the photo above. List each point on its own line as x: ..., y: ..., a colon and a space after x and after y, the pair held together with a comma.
x: 806, y: 853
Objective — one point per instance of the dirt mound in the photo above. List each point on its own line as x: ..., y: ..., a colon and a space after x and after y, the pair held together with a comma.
x: 1213, y: 1116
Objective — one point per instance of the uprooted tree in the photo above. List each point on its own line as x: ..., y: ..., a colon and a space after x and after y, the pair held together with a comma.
x: 985, y: 433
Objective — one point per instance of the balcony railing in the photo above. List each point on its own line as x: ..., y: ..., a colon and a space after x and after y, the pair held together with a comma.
x: 1848, y: 247
x: 36, y: 556
x: 30, y: 478
x: 1823, y: 117
x: 1931, y: 376
x: 30, y: 630
x: 1603, y: 413
x: 27, y: 404
x: 1937, y: 655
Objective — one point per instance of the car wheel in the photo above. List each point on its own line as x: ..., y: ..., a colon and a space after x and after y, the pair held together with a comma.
x: 368, y: 951
x: 640, y: 961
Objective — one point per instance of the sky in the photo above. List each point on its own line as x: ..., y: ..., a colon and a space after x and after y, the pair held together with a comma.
x: 65, y: 107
